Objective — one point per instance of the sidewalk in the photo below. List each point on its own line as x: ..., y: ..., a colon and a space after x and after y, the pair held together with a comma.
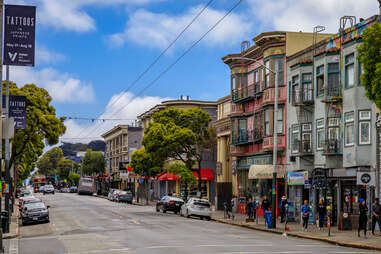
x: 14, y: 226
x: 343, y: 238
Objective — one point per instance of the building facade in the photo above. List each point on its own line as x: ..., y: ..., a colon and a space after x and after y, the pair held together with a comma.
x: 252, y: 115
x: 168, y: 184
x: 121, y: 141
x: 222, y: 127
x: 331, y: 126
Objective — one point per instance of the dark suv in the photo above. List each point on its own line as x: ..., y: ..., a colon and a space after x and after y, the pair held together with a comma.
x: 168, y: 203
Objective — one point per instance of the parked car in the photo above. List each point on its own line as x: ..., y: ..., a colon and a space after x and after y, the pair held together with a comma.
x: 41, y: 188
x: 65, y: 190
x: 25, y: 193
x: 27, y: 200
x: 34, y: 212
x: 114, y: 195
x: 125, y: 196
x: 196, y: 207
x: 73, y: 189
x: 48, y: 189
x: 168, y: 203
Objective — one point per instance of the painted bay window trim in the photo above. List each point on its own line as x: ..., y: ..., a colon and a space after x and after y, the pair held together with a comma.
x: 349, y: 129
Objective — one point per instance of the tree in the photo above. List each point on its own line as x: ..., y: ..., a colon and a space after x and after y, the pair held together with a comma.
x: 74, y: 178
x: 146, y: 165
x: 64, y: 168
x: 93, y: 162
x: 370, y: 58
x: 42, y: 126
x: 182, y: 135
x: 48, y: 164
x: 186, y: 176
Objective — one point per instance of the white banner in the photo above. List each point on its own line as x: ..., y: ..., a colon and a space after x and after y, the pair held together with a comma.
x: 366, y: 178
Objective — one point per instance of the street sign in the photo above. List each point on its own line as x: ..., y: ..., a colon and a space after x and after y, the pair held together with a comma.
x: 17, y: 110
x: 19, y: 35
x: 319, y: 179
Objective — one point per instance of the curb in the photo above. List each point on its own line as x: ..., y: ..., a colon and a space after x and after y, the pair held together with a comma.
x: 321, y: 239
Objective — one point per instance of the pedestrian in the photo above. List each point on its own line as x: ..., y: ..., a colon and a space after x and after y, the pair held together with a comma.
x: 306, y: 209
x: 363, y: 218
x: 249, y: 208
x: 283, y: 204
x: 254, y: 211
x: 376, y: 212
x: 233, y: 205
x: 265, y: 204
x: 322, y: 211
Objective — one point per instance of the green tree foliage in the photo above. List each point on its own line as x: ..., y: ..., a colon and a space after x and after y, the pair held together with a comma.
x: 64, y: 168
x: 370, y: 57
x: 182, y: 135
x: 93, y: 162
x: 48, y: 164
x: 186, y: 176
x: 42, y: 125
x: 74, y: 178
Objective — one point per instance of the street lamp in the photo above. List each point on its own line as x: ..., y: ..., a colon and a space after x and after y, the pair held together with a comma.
x: 275, y: 137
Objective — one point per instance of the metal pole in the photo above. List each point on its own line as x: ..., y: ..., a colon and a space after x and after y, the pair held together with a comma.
x: 1, y: 104
x: 275, y: 152
x: 7, y: 152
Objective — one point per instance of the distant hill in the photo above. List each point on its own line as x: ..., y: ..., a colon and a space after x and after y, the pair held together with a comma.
x: 70, y: 149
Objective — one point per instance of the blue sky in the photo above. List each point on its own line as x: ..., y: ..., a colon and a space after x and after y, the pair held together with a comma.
x: 89, y: 51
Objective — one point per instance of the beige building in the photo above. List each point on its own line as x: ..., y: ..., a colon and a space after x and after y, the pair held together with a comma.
x: 121, y: 141
x: 223, y: 169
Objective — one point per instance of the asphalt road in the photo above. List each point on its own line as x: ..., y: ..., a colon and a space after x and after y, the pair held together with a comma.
x: 84, y: 224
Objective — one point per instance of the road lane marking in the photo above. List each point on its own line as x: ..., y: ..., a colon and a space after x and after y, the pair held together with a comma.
x: 163, y: 247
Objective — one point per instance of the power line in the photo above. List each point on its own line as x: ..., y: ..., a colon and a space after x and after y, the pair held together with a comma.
x: 178, y: 59
x: 99, y: 119
x: 157, y: 59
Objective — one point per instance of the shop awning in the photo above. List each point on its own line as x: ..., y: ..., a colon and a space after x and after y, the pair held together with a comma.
x: 265, y: 171
x: 206, y: 174
x: 168, y: 177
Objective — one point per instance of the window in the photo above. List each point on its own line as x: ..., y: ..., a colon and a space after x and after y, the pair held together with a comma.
x: 349, y: 129
x: 320, y: 80
x: 364, y: 127
x: 350, y: 70
x: 280, y: 121
x: 333, y: 80
x: 319, y: 134
x: 267, y: 122
x: 307, y: 87
x: 280, y: 73
x: 242, y: 125
x: 234, y: 86
x: 267, y: 74
x: 295, y: 138
x: 295, y: 89
x: 306, y: 145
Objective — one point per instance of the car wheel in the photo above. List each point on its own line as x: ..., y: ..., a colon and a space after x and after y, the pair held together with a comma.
x: 157, y: 209
x: 164, y: 211
x: 208, y: 218
x: 181, y: 213
x: 176, y: 212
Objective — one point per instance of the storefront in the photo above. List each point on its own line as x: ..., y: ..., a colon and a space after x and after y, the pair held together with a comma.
x: 298, y: 190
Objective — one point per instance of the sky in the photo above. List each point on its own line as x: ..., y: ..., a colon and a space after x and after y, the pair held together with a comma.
x: 89, y: 52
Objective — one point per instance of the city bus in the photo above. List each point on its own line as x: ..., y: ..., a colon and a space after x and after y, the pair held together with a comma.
x: 86, y: 185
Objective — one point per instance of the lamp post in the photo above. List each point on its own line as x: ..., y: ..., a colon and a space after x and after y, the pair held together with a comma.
x: 275, y: 137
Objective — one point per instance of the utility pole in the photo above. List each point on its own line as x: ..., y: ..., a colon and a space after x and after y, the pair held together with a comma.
x: 1, y: 103
x: 7, y: 150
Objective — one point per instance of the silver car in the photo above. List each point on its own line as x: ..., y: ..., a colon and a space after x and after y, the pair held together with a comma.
x: 196, y: 207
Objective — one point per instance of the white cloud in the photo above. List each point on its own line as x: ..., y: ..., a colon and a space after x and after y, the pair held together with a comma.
x: 302, y: 15
x: 120, y: 106
x: 61, y: 86
x: 157, y: 30
x: 45, y: 56
x: 70, y: 14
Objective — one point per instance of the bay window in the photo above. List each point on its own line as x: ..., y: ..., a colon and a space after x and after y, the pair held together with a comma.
x: 350, y: 70
x: 364, y: 127
x: 349, y: 129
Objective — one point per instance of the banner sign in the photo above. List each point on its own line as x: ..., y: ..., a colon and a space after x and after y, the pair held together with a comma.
x: 19, y: 35
x: 17, y: 110
x: 297, y: 178
x: 5, y: 188
x: 366, y: 178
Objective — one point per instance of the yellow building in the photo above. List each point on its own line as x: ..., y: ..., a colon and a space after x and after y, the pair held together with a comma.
x: 223, y: 168
x: 166, y: 184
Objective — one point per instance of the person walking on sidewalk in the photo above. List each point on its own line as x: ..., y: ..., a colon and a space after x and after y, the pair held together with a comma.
x: 249, y: 208
x: 255, y: 207
x: 322, y: 211
x: 306, y: 209
x: 233, y: 205
x: 363, y: 218
x: 265, y: 205
x: 283, y: 204
x: 376, y: 212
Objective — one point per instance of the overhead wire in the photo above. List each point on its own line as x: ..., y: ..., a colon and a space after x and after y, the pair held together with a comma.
x: 156, y: 60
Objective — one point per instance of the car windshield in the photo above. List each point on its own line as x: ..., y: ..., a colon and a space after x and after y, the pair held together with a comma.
x: 176, y: 199
x: 32, y: 201
x: 37, y: 205
x: 201, y: 202
x: 123, y: 193
x: 49, y: 186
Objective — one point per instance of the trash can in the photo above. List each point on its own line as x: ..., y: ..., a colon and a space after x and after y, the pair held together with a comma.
x: 4, y: 221
x: 269, y: 216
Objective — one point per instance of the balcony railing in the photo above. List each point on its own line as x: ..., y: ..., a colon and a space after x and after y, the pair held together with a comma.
x: 268, y: 142
x: 333, y: 147
x: 334, y: 91
x: 269, y: 95
x: 304, y: 147
x: 243, y: 93
x: 302, y: 97
x: 245, y: 137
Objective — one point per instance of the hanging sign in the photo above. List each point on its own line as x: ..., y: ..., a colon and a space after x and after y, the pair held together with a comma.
x: 5, y: 188
x: 17, y: 110
x: 366, y: 178
x: 19, y: 35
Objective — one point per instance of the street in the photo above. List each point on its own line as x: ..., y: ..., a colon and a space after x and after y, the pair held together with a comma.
x: 85, y: 224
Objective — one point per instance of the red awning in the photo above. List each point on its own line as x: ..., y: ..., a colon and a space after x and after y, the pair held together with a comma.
x: 206, y: 174
x: 168, y: 177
